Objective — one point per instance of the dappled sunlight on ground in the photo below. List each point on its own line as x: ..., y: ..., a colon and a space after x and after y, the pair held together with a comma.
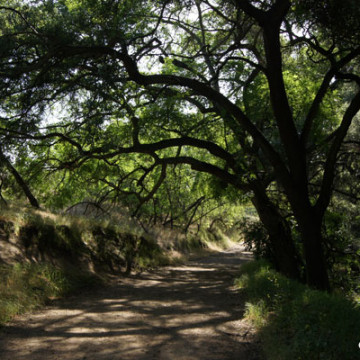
x: 183, y: 312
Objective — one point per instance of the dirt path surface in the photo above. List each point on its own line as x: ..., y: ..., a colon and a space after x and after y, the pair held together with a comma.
x: 188, y: 312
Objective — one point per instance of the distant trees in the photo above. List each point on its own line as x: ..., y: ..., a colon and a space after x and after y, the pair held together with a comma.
x: 260, y: 94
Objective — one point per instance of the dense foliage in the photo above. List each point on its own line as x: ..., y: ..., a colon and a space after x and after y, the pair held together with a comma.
x: 114, y: 101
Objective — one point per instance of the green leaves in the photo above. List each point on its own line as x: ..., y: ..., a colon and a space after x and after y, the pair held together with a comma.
x: 258, y: 106
x: 337, y: 19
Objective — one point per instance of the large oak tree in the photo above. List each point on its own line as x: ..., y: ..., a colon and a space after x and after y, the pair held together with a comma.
x: 258, y: 93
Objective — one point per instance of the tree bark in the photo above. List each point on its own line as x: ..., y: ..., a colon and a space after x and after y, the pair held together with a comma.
x: 286, y: 257
x: 316, y: 269
x: 20, y: 181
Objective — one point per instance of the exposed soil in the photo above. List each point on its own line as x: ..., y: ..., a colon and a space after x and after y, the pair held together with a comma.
x: 188, y: 312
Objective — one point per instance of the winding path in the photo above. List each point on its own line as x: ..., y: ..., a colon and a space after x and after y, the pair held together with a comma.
x: 188, y: 312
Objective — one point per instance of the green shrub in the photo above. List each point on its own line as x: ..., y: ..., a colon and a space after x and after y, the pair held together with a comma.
x: 256, y: 239
x: 296, y: 322
x: 149, y: 254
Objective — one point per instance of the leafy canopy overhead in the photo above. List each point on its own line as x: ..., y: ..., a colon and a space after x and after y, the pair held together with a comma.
x: 260, y: 94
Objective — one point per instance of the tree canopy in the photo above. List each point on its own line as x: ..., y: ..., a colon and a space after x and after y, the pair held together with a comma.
x: 259, y: 94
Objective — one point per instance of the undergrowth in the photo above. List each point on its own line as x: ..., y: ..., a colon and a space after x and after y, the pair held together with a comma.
x: 296, y: 322
x: 27, y: 286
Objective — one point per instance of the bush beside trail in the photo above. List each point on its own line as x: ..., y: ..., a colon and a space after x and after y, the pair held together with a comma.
x: 296, y: 322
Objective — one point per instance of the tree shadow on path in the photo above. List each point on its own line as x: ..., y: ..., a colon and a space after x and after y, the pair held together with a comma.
x: 187, y: 312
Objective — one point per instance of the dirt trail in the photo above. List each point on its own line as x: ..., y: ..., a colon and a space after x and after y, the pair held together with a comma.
x: 188, y: 312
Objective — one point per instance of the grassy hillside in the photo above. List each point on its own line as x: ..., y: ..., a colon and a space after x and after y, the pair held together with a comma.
x: 45, y: 255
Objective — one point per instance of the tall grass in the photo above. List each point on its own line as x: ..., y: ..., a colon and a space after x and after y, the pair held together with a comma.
x: 296, y: 322
x: 27, y: 286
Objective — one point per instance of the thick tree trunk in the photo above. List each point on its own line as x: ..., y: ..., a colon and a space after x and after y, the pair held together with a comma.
x: 286, y: 258
x: 316, y: 269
